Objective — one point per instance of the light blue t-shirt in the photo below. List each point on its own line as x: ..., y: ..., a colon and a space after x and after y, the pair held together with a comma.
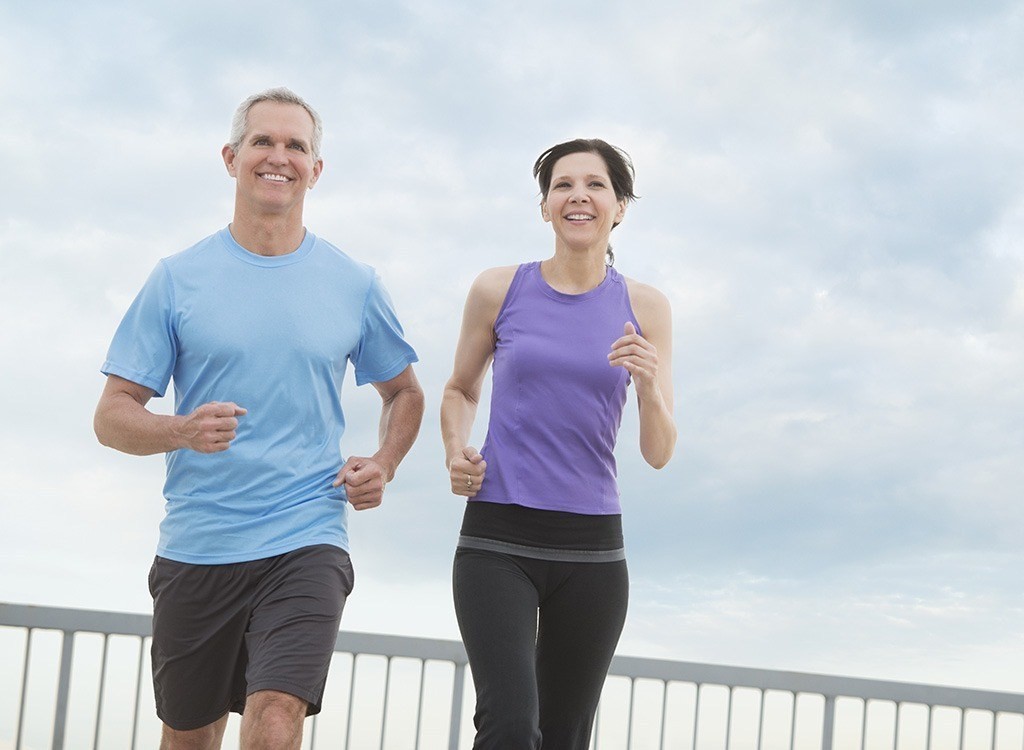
x: 273, y: 335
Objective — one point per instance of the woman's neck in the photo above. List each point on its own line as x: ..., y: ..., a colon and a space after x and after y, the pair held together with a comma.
x: 573, y: 273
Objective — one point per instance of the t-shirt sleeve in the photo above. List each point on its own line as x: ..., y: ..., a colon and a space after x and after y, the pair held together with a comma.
x: 145, y: 347
x: 383, y: 352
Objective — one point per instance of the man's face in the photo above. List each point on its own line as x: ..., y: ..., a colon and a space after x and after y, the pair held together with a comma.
x: 274, y: 165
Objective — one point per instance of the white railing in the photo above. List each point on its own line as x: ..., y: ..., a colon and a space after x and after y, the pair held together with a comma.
x: 57, y: 690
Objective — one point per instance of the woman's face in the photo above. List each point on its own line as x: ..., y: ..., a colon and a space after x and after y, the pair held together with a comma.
x: 581, y: 204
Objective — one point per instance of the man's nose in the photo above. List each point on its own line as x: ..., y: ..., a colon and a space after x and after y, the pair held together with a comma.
x: 279, y: 154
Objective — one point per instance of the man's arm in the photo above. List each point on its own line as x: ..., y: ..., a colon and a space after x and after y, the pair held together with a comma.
x: 364, y: 477
x: 123, y: 422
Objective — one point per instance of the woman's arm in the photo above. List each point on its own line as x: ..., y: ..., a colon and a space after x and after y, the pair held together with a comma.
x: 473, y: 356
x: 648, y: 359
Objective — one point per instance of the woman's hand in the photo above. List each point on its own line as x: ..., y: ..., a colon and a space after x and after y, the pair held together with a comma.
x: 640, y: 358
x: 467, y: 472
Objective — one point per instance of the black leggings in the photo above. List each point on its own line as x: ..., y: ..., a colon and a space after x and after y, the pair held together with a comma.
x: 538, y: 678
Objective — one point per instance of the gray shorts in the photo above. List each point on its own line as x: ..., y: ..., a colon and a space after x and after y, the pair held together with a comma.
x: 221, y: 632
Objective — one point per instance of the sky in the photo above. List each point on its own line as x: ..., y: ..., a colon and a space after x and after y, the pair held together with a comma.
x: 832, y: 197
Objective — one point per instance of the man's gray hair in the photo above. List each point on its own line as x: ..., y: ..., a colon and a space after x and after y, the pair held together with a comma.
x: 281, y: 94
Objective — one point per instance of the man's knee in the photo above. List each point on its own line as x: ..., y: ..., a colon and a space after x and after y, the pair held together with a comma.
x: 272, y: 719
x: 275, y: 703
x: 204, y: 738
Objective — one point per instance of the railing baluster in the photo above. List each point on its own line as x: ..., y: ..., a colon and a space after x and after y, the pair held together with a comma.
x: 99, y: 693
x: 24, y: 690
x: 828, y: 722
x: 792, y: 724
x: 351, y: 702
x: 760, y: 719
x: 696, y: 716
x: 664, y: 714
x: 455, y: 724
x: 896, y: 729
x: 419, y: 703
x: 629, y: 716
x: 60, y: 713
x: 864, y: 725
x: 138, y: 692
x: 728, y: 718
x: 384, y: 711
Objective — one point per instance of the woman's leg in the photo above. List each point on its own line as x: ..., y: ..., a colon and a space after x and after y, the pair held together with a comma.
x: 496, y: 605
x: 580, y: 622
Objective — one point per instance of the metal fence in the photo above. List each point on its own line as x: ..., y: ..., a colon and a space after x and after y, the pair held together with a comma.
x: 78, y: 679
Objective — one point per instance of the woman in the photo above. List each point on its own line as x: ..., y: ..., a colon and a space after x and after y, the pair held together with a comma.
x: 540, y: 577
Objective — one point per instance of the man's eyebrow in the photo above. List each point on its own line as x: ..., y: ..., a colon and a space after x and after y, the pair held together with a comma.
x: 291, y: 141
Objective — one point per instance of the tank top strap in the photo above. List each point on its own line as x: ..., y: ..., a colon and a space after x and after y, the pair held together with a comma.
x: 518, y: 279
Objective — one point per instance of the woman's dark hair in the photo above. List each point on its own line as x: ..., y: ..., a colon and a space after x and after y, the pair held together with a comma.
x: 620, y: 169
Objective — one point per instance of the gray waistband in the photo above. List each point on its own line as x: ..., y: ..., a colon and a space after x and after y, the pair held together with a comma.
x: 543, y: 553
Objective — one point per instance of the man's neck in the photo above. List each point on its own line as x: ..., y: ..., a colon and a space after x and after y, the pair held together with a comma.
x: 268, y: 235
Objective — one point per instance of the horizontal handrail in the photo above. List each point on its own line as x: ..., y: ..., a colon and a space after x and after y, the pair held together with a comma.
x: 94, y: 621
x: 806, y: 682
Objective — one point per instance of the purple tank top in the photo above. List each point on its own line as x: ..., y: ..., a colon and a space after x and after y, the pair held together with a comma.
x: 556, y: 403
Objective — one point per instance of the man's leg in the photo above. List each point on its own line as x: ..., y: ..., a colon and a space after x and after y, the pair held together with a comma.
x: 290, y: 641
x: 205, y: 738
x: 199, y: 619
x: 273, y: 721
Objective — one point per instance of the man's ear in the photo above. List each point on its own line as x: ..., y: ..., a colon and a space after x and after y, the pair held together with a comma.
x: 318, y: 169
x: 228, y: 154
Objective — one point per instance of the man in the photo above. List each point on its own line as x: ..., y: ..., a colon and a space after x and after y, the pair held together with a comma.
x: 255, y: 324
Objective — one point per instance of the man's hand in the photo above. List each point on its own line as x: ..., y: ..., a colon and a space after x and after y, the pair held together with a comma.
x: 210, y: 428
x: 364, y: 482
